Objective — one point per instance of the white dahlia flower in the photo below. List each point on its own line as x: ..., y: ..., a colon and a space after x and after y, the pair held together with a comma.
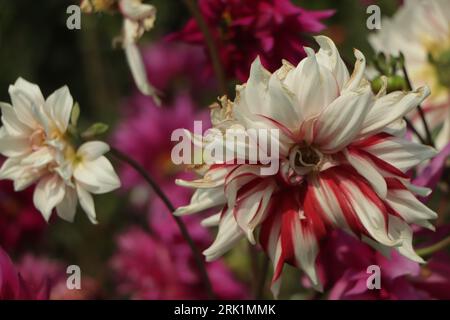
x: 421, y: 31
x: 342, y: 164
x: 34, y: 139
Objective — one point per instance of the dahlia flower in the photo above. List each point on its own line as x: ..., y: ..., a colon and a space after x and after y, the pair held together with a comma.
x: 420, y: 30
x: 138, y: 18
x: 341, y: 163
x: 274, y: 29
x: 38, y: 148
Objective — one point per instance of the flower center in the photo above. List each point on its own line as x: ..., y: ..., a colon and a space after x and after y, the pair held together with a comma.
x: 303, y: 159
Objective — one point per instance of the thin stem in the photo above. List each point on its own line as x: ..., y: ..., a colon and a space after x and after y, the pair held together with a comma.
x: 419, y: 107
x: 197, y: 256
x: 414, y: 130
x: 427, y: 251
x: 210, y: 43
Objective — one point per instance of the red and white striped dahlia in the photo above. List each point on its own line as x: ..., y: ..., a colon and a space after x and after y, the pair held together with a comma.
x: 342, y: 164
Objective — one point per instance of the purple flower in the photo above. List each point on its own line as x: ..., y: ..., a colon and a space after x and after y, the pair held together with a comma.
x: 272, y: 29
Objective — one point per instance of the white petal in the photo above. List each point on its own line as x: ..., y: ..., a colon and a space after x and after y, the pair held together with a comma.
x: 228, y: 235
x: 136, y: 10
x: 340, y: 122
x: 92, y: 150
x: 391, y: 108
x: 25, y: 96
x: 59, y: 107
x: 211, y: 221
x: 370, y: 215
x: 401, y: 153
x: 97, y: 176
x: 11, y: 122
x: 398, y: 229
x: 314, y: 85
x: 11, y: 146
x: 48, y: 194
x: 203, y: 199
x: 306, y: 250
x: 39, y: 158
x: 358, y: 72
x: 368, y: 170
x: 329, y: 57
x: 409, y: 207
x: 11, y: 169
x: 138, y: 71
x: 87, y: 203
x: 252, y: 209
x: 67, y: 208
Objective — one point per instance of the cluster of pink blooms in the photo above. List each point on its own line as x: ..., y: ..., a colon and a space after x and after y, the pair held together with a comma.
x: 343, y: 264
x: 271, y: 29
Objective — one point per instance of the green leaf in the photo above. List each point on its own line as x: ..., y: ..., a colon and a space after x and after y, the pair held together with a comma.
x: 95, y: 130
x: 75, y: 115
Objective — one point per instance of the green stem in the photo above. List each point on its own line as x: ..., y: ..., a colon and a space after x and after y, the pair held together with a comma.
x: 210, y: 43
x: 427, y: 251
x: 419, y: 108
x: 185, y: 233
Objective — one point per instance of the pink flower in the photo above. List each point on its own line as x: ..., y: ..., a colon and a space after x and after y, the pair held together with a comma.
x: 148, y: 268
x: 177, y: 67
x: 343, y: 264
x: 14, y: 287
x: 19, y: 220
x: 38, y: 270
x: 272, y: 29
x: 160, y: 265
x: 146, y: 128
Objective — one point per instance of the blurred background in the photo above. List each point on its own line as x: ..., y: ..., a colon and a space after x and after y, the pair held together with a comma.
x: 135, y: 251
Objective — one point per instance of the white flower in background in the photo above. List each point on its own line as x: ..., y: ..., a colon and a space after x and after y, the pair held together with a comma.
x: 421, y: 30
x: 138, y: 18
x: 34, y: 139
x: 343, y: 163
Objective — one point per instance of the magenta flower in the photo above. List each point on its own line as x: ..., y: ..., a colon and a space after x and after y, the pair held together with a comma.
x: 37, y: 271
x: 136, y: 137
x: 160, y: 265
x: 14, y: 287
x: 343, y: 264
x: 19, y: 220
x: 148, y: 268
x: 177, y: 67
x: 272, y: 29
